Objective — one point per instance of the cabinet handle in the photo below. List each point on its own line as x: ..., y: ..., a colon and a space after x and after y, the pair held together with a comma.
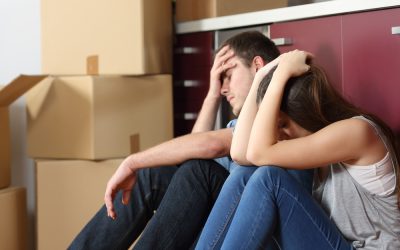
x: 187, y: 50
x: 396, y: 30
x: 282, y: 41
x: 187, y: 83
x: 190, y: 116
x: 187, y: 116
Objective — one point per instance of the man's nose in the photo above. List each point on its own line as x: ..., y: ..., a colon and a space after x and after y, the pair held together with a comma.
x: 225, y: 88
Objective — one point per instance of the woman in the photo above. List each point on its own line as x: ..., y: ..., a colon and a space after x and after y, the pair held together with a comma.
x: 301, y: 122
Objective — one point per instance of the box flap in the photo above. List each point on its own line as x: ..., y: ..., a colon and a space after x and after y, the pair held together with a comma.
x: 36, y: 97
x: 18, y: 87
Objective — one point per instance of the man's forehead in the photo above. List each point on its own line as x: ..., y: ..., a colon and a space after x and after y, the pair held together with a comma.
x: 233, y: 59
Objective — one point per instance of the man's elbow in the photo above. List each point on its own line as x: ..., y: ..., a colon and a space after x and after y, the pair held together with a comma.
x: 216, y: 149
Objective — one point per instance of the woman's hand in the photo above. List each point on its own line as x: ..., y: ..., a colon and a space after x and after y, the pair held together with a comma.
x: 123, y: 179
x: 294, y: 63
x: 262, y: 72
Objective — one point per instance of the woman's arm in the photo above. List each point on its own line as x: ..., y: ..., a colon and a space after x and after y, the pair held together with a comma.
x: 265, y: 128
x: 351, y: 140
x: 247, y: 114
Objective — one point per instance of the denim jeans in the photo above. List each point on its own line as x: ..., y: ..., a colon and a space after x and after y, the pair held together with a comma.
x: 224, y: 209
x: 104, y: 233
x: 193, y: 189
x: 274, y: 205
x: 185, y: 206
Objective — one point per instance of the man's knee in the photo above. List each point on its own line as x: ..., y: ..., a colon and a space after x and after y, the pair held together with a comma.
x: 200, y: 169
x: 195, y: 167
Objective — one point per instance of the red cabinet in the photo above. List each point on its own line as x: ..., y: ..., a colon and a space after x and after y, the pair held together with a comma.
x: 192, y: 64
x: 358, y: 51
x: 320, y: 36
x: 371, y: 61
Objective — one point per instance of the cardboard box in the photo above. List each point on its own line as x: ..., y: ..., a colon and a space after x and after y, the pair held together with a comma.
x: 125, y: 37
x: 13, y: 217
x: 188, y: 10
x: 8, y: 95
x: 5, y: 148
x: 92, y: 117
x: 68, y: 194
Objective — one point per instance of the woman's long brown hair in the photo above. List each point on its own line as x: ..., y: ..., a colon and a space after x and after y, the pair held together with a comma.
x: 312, y: 102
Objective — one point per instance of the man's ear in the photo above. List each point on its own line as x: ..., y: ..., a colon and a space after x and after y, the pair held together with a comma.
x: 258, y: 62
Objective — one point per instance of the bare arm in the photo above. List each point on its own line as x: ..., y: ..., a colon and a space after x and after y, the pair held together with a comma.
x: 206, y: 145
x: 208, y: 113
x: 350, y: 140
x: 244, y: 124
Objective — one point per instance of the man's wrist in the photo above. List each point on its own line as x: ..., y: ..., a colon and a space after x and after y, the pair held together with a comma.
x: 212, y: 98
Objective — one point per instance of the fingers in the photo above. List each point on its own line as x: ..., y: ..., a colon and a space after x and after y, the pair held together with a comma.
x: 296, y: 62
x: 222, y: 57
x: 125, y: 196
x: 226, y: 66
x: 108, y: 200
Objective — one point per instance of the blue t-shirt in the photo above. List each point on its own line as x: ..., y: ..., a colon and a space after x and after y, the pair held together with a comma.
x: 226, y: 161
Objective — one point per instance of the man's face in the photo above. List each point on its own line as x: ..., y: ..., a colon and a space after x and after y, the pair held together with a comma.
x: 236, y: 83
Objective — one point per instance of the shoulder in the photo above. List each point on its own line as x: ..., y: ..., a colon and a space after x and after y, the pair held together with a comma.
x: 362, y: 138
x: 353, y: 134
x: 355, y: 126
x: 356, y: 130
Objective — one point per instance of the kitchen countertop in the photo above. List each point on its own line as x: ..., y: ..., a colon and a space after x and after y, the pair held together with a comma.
x: 284, y: 14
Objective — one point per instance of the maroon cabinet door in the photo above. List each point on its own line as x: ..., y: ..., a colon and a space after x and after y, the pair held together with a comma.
x: 320, y: 36
x: 371, y: 62
x: 192, y: 65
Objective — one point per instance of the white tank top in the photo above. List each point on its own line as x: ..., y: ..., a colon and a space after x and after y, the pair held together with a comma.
x: 378, y: 178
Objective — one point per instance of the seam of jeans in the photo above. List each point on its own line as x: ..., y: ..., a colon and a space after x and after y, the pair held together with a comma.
x: 224, y: 227
x: 258, y: 216
x: 173, y: 233
x: 127, y: 234
x: 305, y: 211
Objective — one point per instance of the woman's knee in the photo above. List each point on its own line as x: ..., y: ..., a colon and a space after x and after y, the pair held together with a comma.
x: 268, y: 175
x: 240, y: 175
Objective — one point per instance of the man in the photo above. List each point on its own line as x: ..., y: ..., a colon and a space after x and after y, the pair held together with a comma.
x: 196, y: 183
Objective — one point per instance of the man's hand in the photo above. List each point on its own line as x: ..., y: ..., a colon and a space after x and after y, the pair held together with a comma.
x: 123, y: 179
x: 220, y: 65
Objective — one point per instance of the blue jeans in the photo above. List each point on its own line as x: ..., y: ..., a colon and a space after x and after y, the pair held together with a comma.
x: 104, y: 233
x: 185, y: 207
x: 192, y: 189
x: 274, y: 207
x: 224, y: 209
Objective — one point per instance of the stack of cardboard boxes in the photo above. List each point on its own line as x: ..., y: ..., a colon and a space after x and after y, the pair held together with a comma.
x: 106, y: 79
x: 13, y: 210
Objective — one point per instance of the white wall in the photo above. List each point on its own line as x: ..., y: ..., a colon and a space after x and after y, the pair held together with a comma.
x: 20, y: 54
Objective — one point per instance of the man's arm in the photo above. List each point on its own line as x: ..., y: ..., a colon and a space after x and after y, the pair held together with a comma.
x: 208, y: 113
x: 204, y: 145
